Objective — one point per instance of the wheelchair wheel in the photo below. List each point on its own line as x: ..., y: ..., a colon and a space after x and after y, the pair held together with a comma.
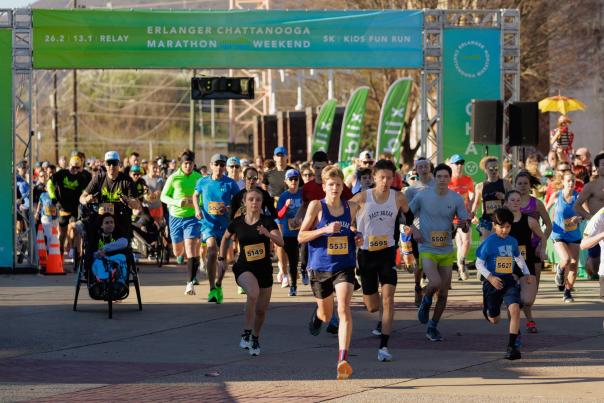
x: 78, y: 282
x: 110, y: 298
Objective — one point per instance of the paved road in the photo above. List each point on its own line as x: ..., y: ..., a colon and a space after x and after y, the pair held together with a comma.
x: 180, y: 348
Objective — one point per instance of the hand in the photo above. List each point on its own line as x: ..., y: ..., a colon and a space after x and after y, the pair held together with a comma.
x: 495, y: 282
x: 576, y: 219
x: 262, y: 230
x: 88, y: 198
x: 332, y: 228
x: 529, y: 279
x: 475, y: 220
x: 288, y: 202
x: 417, y: 235
x: 500, y: 196
x: 358, y: 239
x: 198, y: 214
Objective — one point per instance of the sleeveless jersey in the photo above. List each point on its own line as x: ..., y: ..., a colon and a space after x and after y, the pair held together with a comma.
x: 490, y: 202
x: 563, y: 229
x: 522, y: 233
x: 377, y: 222
x: 531, y: 210
x: 333, y: 252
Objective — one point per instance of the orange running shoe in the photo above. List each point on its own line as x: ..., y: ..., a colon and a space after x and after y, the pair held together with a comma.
x: 344, y: 370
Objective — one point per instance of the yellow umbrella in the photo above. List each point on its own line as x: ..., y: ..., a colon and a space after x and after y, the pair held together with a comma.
x: 559, y: 103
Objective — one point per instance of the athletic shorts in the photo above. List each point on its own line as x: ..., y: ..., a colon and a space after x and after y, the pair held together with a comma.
x: 264, y: 276
x: 492, y: 297
x: 64, y: 220
x: 377, y: 266
x: 443, y: 260
x: 184, y: 228
x: 208, y: 232
x: 323, y: 282
x: 566, y: 242
x: 594, y: 252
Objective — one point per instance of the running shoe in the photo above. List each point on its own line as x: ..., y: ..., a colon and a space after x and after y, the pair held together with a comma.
x: 292, y: 291
x: 423, y: 282
x: 512, y: 353
x: 423, y: 312
x: 254, y: 347
x: 314, y: 330
x: 418, y: 295
x: 344, y: 370
x: 180, y: 259
x: 240, y: 290
x: 244, y: 343
x: 384, y: 355
x: 305, y: 279
x: 195, y: 281
x: 378, y: 329
x: 284, y: 281
x: 212, y: 295
x: 279, y: 276
x: 219, y: 296
x: 463, y: 272
x: 334, y: 324
x: 190, y: 290
x: 433, y: 334
x: 559, y: 279
x: 531, y: 327
x: 567, y: 297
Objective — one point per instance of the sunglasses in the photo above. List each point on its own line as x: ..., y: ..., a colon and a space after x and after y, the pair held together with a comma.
x: 293, y: 178
x: 112, y: 162
x: 234, y: 166
x: 136, y: 174
x: 493, y: 168
x: 460, y: 163
x: 251, y: 178
x: 367, y: 162
x: 219, y: 164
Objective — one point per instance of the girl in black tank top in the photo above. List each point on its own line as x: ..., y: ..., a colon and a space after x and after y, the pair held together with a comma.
x: 521, y: 231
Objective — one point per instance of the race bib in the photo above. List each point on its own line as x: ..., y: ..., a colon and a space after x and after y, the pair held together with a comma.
x: 215, y: 208
x: 107, y: 208
x: 569, y: 225
x: 406, y: 247
x: 337, y: 245
x: 293, y: 225
x: 254, y: 252
x: 377, y: 242
x: 187, y: 201
x: 439, y: 238
x: 50, y: 211
x: 522, y: 251
x: 504, y: 264
x: 492, y: 205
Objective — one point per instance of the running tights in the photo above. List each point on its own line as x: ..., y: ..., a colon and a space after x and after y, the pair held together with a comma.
x: 293, y: 255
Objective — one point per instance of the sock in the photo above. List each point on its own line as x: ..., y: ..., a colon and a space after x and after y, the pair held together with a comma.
x: 316, y: 321
x: 343, y: 355
x: 384, y: 340
x: 512, y: 340
x: 191, y: 269
x: 432, y: 323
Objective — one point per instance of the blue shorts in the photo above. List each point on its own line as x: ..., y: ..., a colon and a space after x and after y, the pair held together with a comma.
x: 594, y: 252
x: 492, y: 297
x: 211, y: 231
x: 184, y: 228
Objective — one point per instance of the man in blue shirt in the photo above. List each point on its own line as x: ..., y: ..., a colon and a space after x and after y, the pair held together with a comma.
x: 217, y: 191
x: 495, y: 259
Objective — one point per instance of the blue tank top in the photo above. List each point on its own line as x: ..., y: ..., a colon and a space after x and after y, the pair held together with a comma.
x: 356, y: 188
x: 333, y: 252
x: 563, y: 229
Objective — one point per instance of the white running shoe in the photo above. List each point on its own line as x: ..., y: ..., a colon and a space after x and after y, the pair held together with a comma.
x: 384, y: 355
x: 423, y: 283
x: 244, y: 343
x: 463, y: 272
x: 254, y: 347
x: 284, y: 282
x: 190, y: 290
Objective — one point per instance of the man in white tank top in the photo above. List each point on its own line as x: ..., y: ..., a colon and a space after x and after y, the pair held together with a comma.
x: 376, y: 220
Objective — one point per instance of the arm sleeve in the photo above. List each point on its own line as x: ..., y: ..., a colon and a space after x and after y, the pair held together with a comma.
x: 119, y: 244
x: 50, y: 188
x: 281, y: 207
x: 522, y: 264
x: 167, y: 192
x: 482, y: 267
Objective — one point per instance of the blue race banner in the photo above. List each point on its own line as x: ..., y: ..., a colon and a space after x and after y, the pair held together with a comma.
x: 471, y: 70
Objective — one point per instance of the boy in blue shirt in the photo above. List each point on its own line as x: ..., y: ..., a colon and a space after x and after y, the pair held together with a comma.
x: 495, y: 259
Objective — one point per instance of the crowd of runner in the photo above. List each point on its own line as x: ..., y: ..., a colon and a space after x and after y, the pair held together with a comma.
x: 339, y: 230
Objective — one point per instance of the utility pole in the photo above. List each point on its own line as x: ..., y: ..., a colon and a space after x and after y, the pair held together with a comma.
x: 75, y: 99
x: 192, y: 120
x: 55, y: 119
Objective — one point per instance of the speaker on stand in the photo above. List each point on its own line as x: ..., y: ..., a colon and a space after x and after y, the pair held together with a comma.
x: 487, y: 122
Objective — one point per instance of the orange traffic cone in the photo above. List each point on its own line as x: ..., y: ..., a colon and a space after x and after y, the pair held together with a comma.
x: 41, y: 244
x: 54, y: 262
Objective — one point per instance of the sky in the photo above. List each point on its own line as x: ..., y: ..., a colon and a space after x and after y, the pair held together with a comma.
x: 15, y: 3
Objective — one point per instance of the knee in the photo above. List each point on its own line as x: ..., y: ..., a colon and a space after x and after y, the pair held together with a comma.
x: 388, y: 302
x: 343, y: 312
x: 514, y: 309
x: 212, y: 251
x: 252, y: 296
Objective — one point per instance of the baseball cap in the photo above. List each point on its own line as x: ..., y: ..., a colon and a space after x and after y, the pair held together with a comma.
x: 455, y: 158
x: 365, y: 155
x: 320, y: 156
x: 233, y: 161
x: 75, y: 161
x: 280, y: 150
x: 218, y: 157
x: 245, y: 163
x: 112, y: 155
x: 292, y: 173
x: 135, y: 168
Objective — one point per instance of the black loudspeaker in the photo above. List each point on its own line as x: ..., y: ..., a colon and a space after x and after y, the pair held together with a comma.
x: 269, y: 135
x: 296, y: 136
x: 523, y: 127
x: 487, y: 121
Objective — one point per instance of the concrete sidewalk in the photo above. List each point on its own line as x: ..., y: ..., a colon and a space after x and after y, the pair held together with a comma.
x: 180, y: 348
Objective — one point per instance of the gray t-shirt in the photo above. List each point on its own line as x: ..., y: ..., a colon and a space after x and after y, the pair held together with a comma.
x: 435, y: 214
x: 154, y: 184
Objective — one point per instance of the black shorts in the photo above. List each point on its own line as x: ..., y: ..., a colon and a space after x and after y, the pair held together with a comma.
x: 264, y: 276
x: 323, y: 282
x: 377, y: 266
x: 492, y: 297
x: 566, y: 242
x: 594, y: 252
x: 64, y: 220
